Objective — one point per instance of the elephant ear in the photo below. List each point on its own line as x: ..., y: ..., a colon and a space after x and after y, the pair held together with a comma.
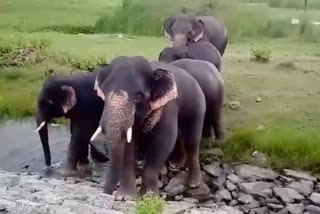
x: 164, y: 89
x: 70, y: 98
x: 198, y: 30
x: 102, y: 75
x: 167, y: 27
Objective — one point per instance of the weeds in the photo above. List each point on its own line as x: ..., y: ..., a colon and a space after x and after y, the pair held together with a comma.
x: 261, y: 54
x: 67, y: 29
x: 150, y: 204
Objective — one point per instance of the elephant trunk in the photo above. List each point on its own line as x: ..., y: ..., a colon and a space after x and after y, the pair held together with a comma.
x: 43, y: 133
x: 179, y: 41
x: 116, y: 121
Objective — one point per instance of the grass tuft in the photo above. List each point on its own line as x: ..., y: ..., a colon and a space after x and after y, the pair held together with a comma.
x: 261, y: 54
x: 150, y: 204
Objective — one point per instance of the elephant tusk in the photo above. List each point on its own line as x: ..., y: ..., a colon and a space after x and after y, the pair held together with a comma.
x: 40, y: 127
x: 129, y: 135
x: 98, y: 131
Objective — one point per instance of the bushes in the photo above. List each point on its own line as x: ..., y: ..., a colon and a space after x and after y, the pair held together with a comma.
x: 261, y: 54
x: 150, y: 204
x: 296, y: 4
x: 67, y: 29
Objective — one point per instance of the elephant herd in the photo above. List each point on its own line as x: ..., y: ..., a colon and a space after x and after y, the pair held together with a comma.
x: 160, y: 109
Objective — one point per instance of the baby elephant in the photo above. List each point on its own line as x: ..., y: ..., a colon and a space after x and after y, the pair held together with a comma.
x: 200, y: 50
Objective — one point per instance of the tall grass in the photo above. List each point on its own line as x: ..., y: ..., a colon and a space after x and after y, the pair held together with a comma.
x: 283, y: 147
x: 296, y: 4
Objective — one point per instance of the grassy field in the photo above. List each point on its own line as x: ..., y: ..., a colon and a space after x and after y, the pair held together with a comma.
x: 288, y: 85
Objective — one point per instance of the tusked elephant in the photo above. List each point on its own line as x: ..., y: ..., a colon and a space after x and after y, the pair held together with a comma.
x: 72, y: 97
x: 186, y: 28
x: 200, y: 50
x: 148, y: 107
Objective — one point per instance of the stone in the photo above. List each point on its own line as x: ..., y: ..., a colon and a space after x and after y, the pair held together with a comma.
x: 234, y: 178
x: 275, y: 207
x: 223, y: 195
x: 177, y: 207
x: 254, y: 173
x: 260, y: 210
x: 303, y: 187
x: 230, y: 186
x: 235, y: 195
x: 27, y: 207
x: 311, y: 209
x: 257, y: 189
x: 258, y: 99
x: 178, y: 198
x: 233, y: 203
x: 234, y: 105
x: 287, y: 195
x: 295, y: 208
x: 202, y: 192
x: 245, y: 199
x: 315, y: 198
x: 209, y: 204
x: 217, y: 183
x: 299, y: 175
x: 231, y: 210
x: 213, y: 169
x: 253, y: 204
x: 177, y: 185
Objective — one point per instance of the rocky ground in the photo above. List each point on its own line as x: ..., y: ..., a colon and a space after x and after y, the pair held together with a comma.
x: 225, y: 190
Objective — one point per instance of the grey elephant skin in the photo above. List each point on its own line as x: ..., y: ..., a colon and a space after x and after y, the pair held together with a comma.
x: 199, y: 50
x: 72, y: 97
x: 186, y: 28
x: 212, y: 85
x: 149, y: 107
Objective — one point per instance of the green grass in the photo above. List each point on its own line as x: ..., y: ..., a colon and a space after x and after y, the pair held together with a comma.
x: 150, y: 204
x: 283, y: 147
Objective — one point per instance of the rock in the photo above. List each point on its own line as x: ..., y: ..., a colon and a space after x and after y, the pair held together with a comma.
x: 315, y: 198
x: 285, y: 179
x: 213, y: 169
x: 275, y: 207
x: 231, y: 210
x: 208, y: 204
x: 299, y: 175
x: 234, y: 105
x: 234, y: 195
x: 178, y: 198
x: 311, y: 209
x: 254, y: 173
x: 234, y: 178
x: 177, y: 207
x: 260, y: 210
x: 258, y: 99
x: 258, y: 189
x: 218, y: 182
x: 2, y: 208
x: 295, y: 208
x: 287, y: 195
x: 201, y: 193
x: 230, y: 186
x: 223, y: 195
x: 28, y: 207
x: 245, y: 199
x: 253, y: 204
x: 233, y: 203
x: 177, y: 185
x: 303, y: 187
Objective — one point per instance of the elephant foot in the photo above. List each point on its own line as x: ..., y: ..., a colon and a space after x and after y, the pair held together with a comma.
x: 194, y: 180
x: 68, y: 172
x: 85, y: 169
x: 126, y: 194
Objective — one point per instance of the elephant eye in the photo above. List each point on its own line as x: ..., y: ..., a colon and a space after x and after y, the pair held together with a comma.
x: 140, y: 96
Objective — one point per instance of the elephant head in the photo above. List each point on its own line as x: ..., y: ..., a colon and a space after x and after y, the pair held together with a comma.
x: 132, y: 90
x: 55, y: 100
x: 183, y: 29
x: 170, y: 54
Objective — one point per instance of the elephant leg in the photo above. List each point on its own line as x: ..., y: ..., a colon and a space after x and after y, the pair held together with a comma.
x: 192, y: 138
x: 160, y: 146
x: 127, y: 189
x: 207, y: 130
x: 216, y: 119
x: 178, y: 156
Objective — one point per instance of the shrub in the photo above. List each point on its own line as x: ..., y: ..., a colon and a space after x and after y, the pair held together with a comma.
x: 67, y: 29
x: 261, y: 54
x: 150, y: 204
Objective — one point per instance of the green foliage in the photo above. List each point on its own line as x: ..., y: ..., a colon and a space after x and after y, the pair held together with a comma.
x: 150, y: 204
x: 294, y: 4
x: 261, y: 54
x: 67, y: 29
x: 22, y: 52
x: 130, y: 19
x: 284, y: 147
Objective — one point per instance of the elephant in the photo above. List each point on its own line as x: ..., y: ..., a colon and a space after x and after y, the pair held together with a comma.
x: 186, y: 28
x: 200, y: 50
x: 72, y: 97
x: 148, y: 107
x: 212, y: 85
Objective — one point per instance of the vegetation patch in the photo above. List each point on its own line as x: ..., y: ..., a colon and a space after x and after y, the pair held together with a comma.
x: 67, y: 29
x: 21, y: 53
x: 293, y: 4
x: 283, y: 147
x: 261, y: 54
x: 288, y: 66
x: 150, y: 204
